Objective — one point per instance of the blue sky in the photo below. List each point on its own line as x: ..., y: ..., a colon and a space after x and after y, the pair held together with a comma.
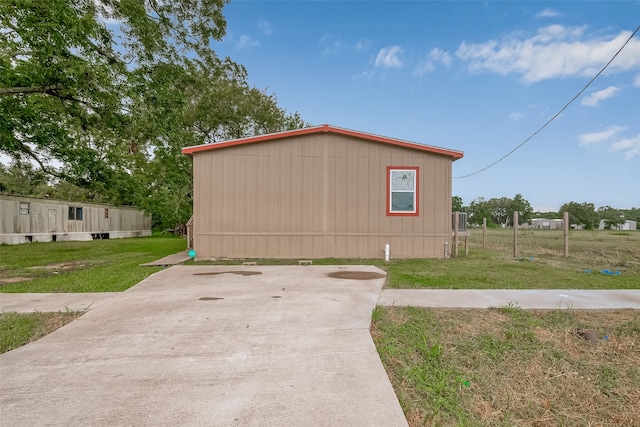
x: 479, y: 77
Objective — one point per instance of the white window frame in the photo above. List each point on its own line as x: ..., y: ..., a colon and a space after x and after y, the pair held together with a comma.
x: 25, y: 210
x: 416, y: 193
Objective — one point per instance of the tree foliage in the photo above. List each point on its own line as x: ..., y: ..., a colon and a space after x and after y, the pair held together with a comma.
x: 102, y: 95
x: 499, y: 211
x: 612, y: 217
x: 581, y: 214
x: 456, y: 204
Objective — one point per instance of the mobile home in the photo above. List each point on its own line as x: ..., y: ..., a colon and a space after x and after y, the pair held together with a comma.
x: 318, y: 192
x: 28, y: 219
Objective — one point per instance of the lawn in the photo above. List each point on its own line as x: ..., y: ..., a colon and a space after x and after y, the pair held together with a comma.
x: 18, y: 329
x: 94, y: 266
x: 508, y: 366
x: 541, y: 264
x: 503, y: 366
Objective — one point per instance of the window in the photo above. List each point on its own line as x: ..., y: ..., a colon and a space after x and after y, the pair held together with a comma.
x: 75, y: 213
x: 402, y: 191
x: 106, y: 213
x: 25, y: 208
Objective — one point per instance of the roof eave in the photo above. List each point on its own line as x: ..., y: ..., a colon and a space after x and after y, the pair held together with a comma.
x: 455, y: 155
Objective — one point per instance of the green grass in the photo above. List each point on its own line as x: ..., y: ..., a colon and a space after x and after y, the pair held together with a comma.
x: 112, y: 265
x: 541, y: 264
x: 509, y: 366
x: 493, y: 269
x: 94, y: 266
x: 18, y: 329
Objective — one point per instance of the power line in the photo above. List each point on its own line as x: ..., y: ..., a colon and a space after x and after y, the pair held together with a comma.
x: 424, y: 51
x: 460, y: 58
x: 437, y: 85
x: 556, y: 115
x: 451, y: 69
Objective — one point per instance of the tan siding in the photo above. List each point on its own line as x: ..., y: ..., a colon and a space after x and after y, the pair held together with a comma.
x: 315, y: 196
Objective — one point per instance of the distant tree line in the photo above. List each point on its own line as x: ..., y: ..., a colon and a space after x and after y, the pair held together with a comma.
x: 499, y: 212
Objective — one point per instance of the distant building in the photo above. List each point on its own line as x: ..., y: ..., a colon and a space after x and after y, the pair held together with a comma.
x: 547, y: 224
x: 29, y: 219
x: 626, y: 226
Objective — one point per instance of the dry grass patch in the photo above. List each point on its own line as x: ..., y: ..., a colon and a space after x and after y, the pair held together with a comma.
x: 509, y: 366
x: 597, y: 249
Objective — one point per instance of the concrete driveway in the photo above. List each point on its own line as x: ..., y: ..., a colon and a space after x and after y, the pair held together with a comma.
x: 211, y: 345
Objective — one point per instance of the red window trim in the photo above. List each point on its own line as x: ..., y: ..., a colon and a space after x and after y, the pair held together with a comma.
x: 414, y: 168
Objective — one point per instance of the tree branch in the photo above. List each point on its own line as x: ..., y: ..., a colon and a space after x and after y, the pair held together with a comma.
x: 55, y: 93
x: 51, y: 90
x: 26, y: 150
x: 16, y: 54
x: 112, y: 59
x: 29, y: 89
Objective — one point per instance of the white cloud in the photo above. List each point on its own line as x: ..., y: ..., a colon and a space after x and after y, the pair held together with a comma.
x: 515, y: 116
x: 423, y: 68
x: 436, y: 55
x: 389, y: 57
x: 630, y: 146
x: 365, y: 75
x: 593, y: 99
x: 636, y: 80
x: 605, y: 135
x: 547, y: 13
x: 362, y: 45
x: 332, y: 43
x: 246, y: 41
x: 554, y: 51
x: 439, y: 55
x: 265, y: 27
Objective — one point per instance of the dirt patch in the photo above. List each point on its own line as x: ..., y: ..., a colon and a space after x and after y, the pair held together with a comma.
x: 13, y: 280
x: 60, y: 266
x: 356, y: 275
x: 239, y: 273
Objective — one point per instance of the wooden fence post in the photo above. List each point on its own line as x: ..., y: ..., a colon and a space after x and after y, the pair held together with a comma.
x: 515, y: 234
x: 484, y: 232
x: 565, y: 226
x: 456, y: 226
x: 466, y: 245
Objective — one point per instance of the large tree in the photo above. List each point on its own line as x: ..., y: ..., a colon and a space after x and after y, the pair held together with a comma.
x: 612, y: 217
x: 69, y: 68
x: 479, y: 210
x: 581, y: 214
x: 103, y: 94
x: 523, y: 207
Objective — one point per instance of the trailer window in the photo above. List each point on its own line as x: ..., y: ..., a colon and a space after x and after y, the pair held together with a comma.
x: 75, y: 213
x: 25, y: 208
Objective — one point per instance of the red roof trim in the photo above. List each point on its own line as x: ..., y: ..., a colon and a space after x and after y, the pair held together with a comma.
x: 323, y: 129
